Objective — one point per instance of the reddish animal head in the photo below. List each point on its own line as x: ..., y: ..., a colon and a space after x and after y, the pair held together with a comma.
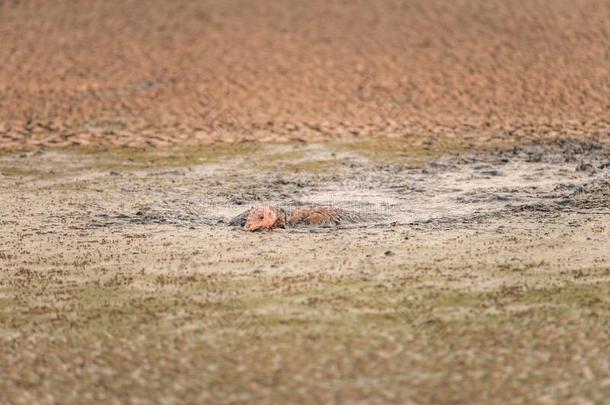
x: 264, y: 217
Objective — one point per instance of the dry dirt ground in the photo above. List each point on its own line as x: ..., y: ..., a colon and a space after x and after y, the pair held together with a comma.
x: 470, y: 137
x: 477, y: 276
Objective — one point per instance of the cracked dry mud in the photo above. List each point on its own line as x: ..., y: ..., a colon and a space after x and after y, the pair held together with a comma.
x: 111, y: 72
x: 472, y: 277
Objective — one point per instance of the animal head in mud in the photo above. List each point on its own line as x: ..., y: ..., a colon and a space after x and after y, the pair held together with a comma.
x: 263, y: 217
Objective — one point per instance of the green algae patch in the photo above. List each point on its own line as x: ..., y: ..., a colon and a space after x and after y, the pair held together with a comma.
x: 590, y: 295
x: 412, y: 151
x: 178, y: 156
x: 25, y: 171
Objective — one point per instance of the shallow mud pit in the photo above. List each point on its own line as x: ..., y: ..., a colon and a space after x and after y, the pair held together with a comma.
x: 449, y: 189
x: 466, y: 270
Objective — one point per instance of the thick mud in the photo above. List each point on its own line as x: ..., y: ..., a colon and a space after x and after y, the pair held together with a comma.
x: 542, y: 180
x: 450, y: 190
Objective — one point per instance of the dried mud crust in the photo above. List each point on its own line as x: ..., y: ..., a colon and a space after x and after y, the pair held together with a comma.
x: 94, y: 73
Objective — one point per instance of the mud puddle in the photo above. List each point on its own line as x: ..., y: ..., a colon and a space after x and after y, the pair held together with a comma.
x: 449, y: 189
x: 462, y: 192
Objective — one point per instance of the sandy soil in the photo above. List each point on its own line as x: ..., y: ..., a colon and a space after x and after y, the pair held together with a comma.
x: 472, y: 277
x: 114, y: 72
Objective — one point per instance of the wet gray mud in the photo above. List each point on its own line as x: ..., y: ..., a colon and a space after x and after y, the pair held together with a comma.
x: 540, y: 180
x: 447, y: 190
